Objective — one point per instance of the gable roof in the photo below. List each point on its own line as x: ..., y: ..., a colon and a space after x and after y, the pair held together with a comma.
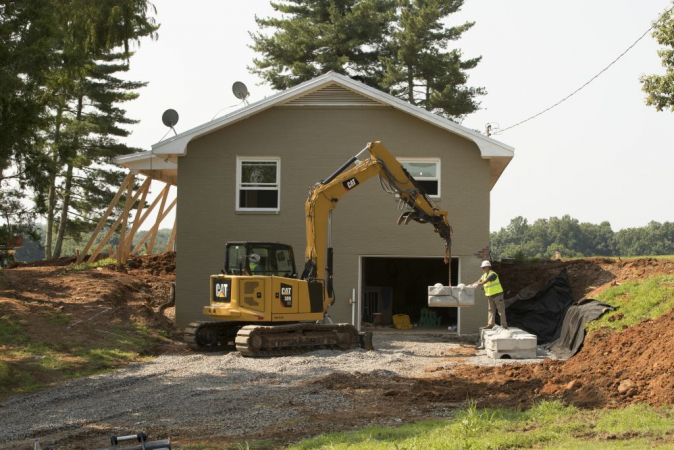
x: 336, y: 89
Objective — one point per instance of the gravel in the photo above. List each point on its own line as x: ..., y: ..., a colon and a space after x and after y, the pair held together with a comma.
x: 195, y: 394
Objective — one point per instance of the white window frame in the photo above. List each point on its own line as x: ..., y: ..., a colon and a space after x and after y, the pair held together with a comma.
x: 437, y: 161
x: 239, y: 164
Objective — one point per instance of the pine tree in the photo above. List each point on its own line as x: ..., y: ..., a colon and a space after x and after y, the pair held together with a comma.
x: 399, y: 46
x: 87, y: 121
x: 92, y: 124
x: 419, y: 68
x: 317, y: 36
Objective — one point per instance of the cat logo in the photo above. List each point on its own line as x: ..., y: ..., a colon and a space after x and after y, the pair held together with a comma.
x: 222, y: 289
x: 286, y: 295
x: 350, y: 184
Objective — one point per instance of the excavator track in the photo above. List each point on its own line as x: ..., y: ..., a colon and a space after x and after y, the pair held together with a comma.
x: 210, y: 336
x: 284, y: 340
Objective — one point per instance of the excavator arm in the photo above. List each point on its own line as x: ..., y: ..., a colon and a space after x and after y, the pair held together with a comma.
x: 324, y: 195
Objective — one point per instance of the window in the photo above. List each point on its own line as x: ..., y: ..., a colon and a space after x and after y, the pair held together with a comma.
x: 426, y: 171
x: 258, y: 184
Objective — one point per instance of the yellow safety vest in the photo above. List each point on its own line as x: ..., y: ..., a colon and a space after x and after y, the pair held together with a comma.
x: 253, y: 268
x: 492, y: 287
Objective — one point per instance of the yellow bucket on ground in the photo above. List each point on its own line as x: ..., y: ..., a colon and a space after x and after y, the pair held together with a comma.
x: 401, y: 322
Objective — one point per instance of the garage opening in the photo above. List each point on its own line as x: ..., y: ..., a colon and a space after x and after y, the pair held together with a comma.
x: 396, y: 285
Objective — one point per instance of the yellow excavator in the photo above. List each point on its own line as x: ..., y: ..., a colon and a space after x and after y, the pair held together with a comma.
x: 261, y: 304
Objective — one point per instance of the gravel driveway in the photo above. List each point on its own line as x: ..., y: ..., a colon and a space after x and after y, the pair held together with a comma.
x: 224, y: 397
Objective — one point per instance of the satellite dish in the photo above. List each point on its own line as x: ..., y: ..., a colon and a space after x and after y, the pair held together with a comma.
x: 240, y: 90
x: 170, y: 117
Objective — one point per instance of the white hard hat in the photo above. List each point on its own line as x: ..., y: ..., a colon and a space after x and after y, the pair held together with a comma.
x: 254, y: 257
x: 486, y: 263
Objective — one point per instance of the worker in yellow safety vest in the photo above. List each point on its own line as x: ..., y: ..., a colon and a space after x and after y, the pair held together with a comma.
x: 254, y: 264
x: 494, y: 292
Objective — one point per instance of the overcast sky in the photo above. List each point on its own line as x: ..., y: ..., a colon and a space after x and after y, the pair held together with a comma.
x: 602, y: 155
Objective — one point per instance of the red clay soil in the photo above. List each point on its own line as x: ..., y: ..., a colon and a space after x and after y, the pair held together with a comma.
x: 612, y: 369
x: 126, y: 294
x: 588, y: 277
x: 157, y: 264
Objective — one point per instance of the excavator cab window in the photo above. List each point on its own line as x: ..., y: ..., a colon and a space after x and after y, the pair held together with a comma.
x: 260, y: 258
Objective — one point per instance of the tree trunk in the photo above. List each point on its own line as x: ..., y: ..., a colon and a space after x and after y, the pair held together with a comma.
x: 51, y: 199
x: 51, y: 205
x: 410, y: 85
x: 66, y: 191
x: 64, y: 211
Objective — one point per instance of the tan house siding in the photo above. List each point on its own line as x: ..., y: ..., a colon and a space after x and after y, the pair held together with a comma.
x: 312, y: 142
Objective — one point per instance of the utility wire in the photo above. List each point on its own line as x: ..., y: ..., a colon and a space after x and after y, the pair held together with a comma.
x: 591, y: 79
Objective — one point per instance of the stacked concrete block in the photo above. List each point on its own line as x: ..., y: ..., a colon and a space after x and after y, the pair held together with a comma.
x: 512, y: 343
x: 450, y: 296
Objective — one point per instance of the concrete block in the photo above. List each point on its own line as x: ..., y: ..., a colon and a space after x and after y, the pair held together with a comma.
x: 513, y: 343
x: 513, y: 354
x: 450, y: 296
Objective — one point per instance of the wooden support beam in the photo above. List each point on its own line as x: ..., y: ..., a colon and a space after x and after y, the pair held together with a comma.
x: 141, y: 205
x: 121, y: 251
x: 155, y: 228
x: 169, y: 247
x: 149, y: 233
x: 119, y: 220
x: 111, y: 206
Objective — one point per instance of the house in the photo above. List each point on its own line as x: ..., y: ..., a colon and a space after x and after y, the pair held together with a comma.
x: 246, y: 176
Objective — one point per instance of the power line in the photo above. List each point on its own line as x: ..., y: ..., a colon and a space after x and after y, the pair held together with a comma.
x: 591, y: 79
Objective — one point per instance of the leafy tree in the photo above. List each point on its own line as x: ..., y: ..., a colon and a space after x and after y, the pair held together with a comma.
x: 26, y: 56
x: 316, y: 36
x: 660, y: 88
x: 418, y: 66
x: 573, y: 239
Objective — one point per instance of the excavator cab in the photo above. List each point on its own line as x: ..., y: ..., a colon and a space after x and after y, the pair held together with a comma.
x: 260, y: 258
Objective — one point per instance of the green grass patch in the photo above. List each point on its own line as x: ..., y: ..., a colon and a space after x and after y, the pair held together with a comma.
x: 87, y: 266
x: 636, y: 301
x: 11, y: 331
x: 27, y: 365
x: 59, y: 318
x: 549, y: 424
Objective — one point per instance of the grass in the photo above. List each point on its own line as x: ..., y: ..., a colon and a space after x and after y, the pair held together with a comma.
x: 636, y: 301
x: 27, y: 364
x: 87, y: 266
x: 550, y: 425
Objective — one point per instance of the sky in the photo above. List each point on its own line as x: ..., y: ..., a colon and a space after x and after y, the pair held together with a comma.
x: 601, y: 155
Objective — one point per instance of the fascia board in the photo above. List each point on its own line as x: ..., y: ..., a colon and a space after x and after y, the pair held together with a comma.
x: 145, y: 161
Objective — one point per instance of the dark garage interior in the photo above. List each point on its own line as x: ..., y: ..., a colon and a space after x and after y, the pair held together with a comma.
x: 397, y: 285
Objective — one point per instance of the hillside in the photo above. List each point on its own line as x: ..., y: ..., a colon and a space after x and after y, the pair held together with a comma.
x: 57, y: 322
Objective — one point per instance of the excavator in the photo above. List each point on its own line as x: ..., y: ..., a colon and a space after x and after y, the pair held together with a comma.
x: 260, y: 303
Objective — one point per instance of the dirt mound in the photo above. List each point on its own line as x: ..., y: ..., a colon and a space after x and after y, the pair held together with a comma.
x: 157, y: 264
x: 588, y: 277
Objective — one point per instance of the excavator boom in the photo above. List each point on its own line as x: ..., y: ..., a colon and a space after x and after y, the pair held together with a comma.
x: 324, y: 196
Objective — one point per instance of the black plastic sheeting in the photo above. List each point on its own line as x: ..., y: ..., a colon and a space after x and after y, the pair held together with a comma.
x: 543, y: 314
x: 573, y: 327
x: 554, y: 318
